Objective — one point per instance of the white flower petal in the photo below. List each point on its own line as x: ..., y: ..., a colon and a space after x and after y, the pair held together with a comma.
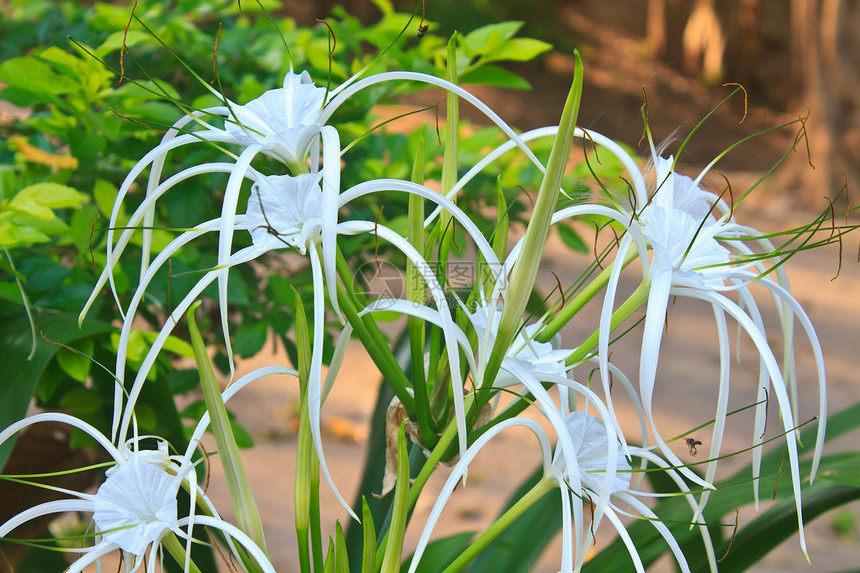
x: 283, y: 121
x: 136, y: 505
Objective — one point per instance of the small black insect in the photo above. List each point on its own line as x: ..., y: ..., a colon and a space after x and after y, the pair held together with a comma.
x: 692, y: 443
x: 422, y: 30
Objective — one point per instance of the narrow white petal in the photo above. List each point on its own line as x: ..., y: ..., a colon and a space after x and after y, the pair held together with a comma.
x: 331, y: 189
x: 240, y: 257
x: 460, y: 469
x: 42, y: 509
x: 315, y: 377
x: 240, y: 536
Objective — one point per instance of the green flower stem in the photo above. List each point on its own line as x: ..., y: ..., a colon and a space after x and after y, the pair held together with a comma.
x: 575, y: 304
x: 247, y: 514
x: 525, y: 270
x: 305, y: 460
x: 177, y: 551
x: 625, y: 311
x: 446, y: 441
x: 373, y: 340
x: 316, y: 528
x: 417, y: 292
x: 400, y: 515
x: 529, y: 499
x: 449, y: 160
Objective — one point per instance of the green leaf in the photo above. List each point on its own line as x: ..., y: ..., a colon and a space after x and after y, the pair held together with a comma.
x: 38, y: 200
x: 488, y: 38
x: 52, y: 195
x: 369, y: 538
x: 519, y: 50
x: 571, y: 238
x: 22, y: 374
x: 104, y: 193
x: 12, y: 234
x: 494, y: 76
x: 250, y: 338
x: 82, y: 401
x: 77, y: 366
x: 85, y: 144
x: 441, y: 552
x: 519, y: 546
x: 845, y: 470
x: 130, y: 38
x: 35, y: 77
x: 777, y: 524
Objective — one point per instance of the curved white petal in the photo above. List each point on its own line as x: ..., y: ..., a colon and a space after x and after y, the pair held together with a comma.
x: 778, y: 385
x: 225, y: 239
x: 315, y: 377
x: 331, y: 189
x: 459, y: 470
x: 12, y: 429
x: 237, y: 534
x: 240, y: 257
x: 42, y: 509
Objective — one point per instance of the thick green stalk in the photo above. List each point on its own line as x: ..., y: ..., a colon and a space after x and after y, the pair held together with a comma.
x: 449, y: 160
x: 525, y: 270
x: 416, y: 292
x: 302, y: 489
x: 316, y: 529
x: 306, y: 458
x: 177, y: 551
x: 505, y: 521
x: 394, y: 549
x: 373, y: 340
x: 247, y: 514
x: 636, y: 300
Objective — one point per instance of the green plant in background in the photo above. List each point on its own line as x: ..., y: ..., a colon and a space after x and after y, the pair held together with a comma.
x: 304, y: 166
x: 85, y: 127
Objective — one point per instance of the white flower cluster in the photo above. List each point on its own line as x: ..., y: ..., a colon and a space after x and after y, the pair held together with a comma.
x: 679, y: 232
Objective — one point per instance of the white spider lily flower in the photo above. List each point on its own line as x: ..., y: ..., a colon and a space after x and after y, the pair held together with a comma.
x: 540, y: 358
x: 136, y: 505
x: 132, y: 510
x: 599, y: 473
x: 283, y: 124
x: 268, y: 133
x: 591, y: 443
x: 698, y: 251
x: 284, y: 120
x: 285, y: 211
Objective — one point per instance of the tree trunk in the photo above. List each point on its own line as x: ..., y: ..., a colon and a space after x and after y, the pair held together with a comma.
x: 704, y: 42
x: 655, y: 25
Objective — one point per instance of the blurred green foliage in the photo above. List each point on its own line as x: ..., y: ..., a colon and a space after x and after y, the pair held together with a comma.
x: 91, y: 112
